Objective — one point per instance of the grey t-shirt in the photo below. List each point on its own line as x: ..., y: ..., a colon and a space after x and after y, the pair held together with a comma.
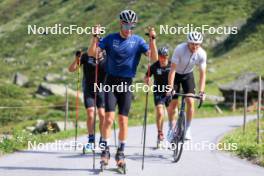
x: 186, y: 60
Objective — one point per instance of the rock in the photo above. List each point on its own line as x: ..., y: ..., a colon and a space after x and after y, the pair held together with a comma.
x: 44, y: 2
x: 5, y: 136
x: 71, y: 125
x: 46, y: 89
x: 30, y: 128
x: 214, y: 98
x: 39, y: 96
x: 46, y: 126
x: 40, y: 123
x: 22, y: 61
x: 9, y: 59
x: 20, y: 79
x: 28, y: 45
x: 48, y: 63
x: 52, y: 77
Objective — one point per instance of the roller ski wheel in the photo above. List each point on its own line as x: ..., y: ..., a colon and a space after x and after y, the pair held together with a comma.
x: 120, y: 162
x: 105, y: 156
x: 103, y: 165
x: 121, y: 167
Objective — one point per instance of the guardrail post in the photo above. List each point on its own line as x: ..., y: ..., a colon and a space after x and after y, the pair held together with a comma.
x: 234, y: 101
x: 259, y: 109
x: 66, y: 108
x: 245, y: 109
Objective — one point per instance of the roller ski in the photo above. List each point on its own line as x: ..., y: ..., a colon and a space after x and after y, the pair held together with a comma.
x: 105, y: 156
x: 120, y: 162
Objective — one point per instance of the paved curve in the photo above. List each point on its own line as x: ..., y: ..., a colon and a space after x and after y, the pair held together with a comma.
x: 207, y: 162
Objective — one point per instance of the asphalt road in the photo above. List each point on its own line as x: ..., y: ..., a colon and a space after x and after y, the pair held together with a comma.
x: 197, y: 161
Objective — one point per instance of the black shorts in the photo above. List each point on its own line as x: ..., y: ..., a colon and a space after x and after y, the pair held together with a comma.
x: 159, y: 98
x: 88, y: 97
x: 115, y: 96
x: 186, y: 81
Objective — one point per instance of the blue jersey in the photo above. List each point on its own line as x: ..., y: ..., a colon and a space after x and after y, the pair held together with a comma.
x: 123, y: 55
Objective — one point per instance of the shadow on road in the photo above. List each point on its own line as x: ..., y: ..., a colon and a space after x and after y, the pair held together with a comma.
x: 41, y: 168
x: 151, y: 158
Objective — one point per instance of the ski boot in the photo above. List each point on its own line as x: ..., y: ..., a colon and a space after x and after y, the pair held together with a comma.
x: 120, y: 161
x: 160, y: 139
x: 90, y: 146
x: 105, y: 156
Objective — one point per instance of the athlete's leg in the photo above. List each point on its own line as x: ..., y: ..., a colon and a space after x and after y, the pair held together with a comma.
x: 124, y: 103
x: 159, y: 117
x: 189, y: 110
x: 172, y: 110
x: 90, y: 120
x: 108, y: 122
x: 110, y: 104
x: 89, y: 105
x: 101, y: 114
x: 123, y: 128
x: 188, y: 86
x: 101, y: 110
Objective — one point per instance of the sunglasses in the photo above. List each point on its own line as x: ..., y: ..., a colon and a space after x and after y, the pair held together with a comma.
x: 162, y: 57
x: 128, y: 26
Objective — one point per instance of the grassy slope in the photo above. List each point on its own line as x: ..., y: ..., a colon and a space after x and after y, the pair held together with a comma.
x: 247, y: 146
x: 31, y: 51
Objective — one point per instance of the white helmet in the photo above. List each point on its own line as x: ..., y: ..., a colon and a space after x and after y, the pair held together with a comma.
x: 128, y: 16
x: 195, y: 37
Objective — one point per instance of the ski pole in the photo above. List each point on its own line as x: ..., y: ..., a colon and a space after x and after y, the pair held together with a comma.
x: 95, y: 99
x: 146, y: 109
x: 78, y: 54
x: 115, y: 133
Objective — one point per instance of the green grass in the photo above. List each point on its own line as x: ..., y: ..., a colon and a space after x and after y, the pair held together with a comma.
x: 21, y: 138
x: 247, y: 146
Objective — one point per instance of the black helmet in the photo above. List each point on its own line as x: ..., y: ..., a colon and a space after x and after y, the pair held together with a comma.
x: 163, y: 51
x: 128, y: 16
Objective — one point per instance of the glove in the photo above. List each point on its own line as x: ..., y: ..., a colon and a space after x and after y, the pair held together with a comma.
x: 202, y: 95
x: 78, y: 53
